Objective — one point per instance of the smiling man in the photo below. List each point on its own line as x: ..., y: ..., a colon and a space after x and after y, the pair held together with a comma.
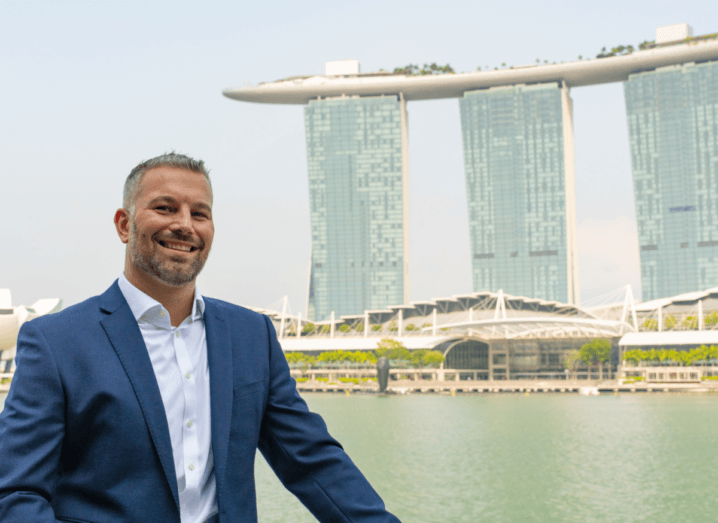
x: 148, y: 403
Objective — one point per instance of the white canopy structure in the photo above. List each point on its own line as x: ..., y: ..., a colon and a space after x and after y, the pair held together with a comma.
x: 12, y: 318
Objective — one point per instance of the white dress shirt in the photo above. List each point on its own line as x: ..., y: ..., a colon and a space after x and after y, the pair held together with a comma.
x: 179, y: 359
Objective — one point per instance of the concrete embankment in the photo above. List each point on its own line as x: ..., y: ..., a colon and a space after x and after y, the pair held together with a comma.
x: 510, y: 386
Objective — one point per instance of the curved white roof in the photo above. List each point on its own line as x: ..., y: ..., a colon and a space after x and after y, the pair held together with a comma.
x: 688, y: 297
x: 575, y: 74
x: 480, y: 315
x: 657, y: 339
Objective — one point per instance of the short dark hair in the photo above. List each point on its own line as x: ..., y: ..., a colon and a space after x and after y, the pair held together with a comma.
x: 170, y: 159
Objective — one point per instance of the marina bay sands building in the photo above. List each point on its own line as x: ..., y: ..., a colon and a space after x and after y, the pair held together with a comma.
x: 358, y: 175
x: 517, y: 132
x: 518, y: 156
x: 673, y: 130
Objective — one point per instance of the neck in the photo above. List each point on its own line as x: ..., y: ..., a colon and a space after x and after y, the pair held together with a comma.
x: 177, y: 300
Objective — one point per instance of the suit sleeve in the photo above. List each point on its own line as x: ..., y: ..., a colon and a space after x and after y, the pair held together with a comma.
x: 32, y: 428
x: 308, y: 461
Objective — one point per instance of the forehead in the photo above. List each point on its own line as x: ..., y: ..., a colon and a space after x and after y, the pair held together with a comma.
x: 179, y: 184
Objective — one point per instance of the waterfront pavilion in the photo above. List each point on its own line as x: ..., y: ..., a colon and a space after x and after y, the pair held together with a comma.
x: 484, y: 335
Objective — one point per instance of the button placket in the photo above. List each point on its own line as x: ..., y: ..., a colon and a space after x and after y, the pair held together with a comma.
x: 190, y: 444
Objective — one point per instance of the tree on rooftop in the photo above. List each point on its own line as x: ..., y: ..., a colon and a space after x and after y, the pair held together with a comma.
x: 415, y: 70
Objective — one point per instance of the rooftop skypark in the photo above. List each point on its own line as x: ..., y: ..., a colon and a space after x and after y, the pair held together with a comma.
x: 437, y: 81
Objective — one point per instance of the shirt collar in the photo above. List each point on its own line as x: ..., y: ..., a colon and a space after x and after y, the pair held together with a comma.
x: 145, y: 307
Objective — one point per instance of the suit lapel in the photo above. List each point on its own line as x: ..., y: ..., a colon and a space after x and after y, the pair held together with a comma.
x: 125, y: 336
x: 219, y: 355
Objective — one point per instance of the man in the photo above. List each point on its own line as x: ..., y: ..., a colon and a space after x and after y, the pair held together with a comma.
x: 147, y: 403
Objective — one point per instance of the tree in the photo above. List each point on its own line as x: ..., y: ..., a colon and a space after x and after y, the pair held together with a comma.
x: 572, y: 360
x: 392, y: 349
x: 596, y: 351
x: 433, y: 358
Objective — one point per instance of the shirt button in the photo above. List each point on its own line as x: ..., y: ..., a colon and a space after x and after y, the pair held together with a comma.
x: 189, y: 423
x: 176, y: 334
x: 191, y: 466
x: 187, y: 375
x: 162, y: 314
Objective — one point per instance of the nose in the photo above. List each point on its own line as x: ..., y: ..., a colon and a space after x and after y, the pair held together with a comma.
x: 182, y: 222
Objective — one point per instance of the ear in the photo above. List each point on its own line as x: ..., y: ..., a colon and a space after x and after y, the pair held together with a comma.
x: 122, y: 224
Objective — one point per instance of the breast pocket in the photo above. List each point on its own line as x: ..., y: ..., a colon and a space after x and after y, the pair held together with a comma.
x: 250, y: 388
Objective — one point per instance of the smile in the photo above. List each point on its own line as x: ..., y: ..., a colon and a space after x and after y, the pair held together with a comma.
x: 175, y: 246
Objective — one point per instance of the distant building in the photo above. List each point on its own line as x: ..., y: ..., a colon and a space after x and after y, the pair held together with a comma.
x: 518, y: 150
x: 358, y: 191
x: 518, y: 156
x: 672, y: 125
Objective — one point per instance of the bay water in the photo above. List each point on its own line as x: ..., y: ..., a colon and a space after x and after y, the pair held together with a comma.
x: 512, y: 458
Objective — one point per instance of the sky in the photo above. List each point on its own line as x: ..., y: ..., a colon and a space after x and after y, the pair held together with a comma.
x: 89, y: 89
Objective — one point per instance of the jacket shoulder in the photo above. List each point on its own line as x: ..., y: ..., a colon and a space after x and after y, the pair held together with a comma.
x: 83, y: 312
x: 236, y: 312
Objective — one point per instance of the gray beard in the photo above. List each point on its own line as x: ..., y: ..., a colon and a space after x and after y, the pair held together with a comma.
x: 158, y: 270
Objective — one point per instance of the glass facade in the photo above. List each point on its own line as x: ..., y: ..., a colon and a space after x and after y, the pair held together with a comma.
x: 518, y: 156
x: 357, y: 174
x: 673, y: 130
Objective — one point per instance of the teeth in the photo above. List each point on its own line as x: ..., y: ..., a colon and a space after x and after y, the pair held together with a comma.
x: 178, y: 246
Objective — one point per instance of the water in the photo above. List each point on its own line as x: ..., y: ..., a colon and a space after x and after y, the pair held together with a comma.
x: 509, y: 457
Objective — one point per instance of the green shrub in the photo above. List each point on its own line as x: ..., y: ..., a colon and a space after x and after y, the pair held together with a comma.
x: 344, y: 328
x: 650, y: 324
x: 355, y: 381
x: 424, y: 325
x: 326, y: 329
x: 308, y: 327
x: 376, y: 328
x: 359, y: 327
x: 711, y: 319
x: 411, y: 327
x: 691, y: 322
x: 301, y: 380
x: 634, y: 379
x: 653, y: 356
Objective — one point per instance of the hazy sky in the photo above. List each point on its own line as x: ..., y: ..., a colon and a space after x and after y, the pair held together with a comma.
x: 89, y: 89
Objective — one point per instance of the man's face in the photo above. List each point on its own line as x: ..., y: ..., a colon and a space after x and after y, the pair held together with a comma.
x: 171, y: 231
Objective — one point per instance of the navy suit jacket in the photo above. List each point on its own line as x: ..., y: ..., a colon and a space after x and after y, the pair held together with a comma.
x: 84, y: 435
